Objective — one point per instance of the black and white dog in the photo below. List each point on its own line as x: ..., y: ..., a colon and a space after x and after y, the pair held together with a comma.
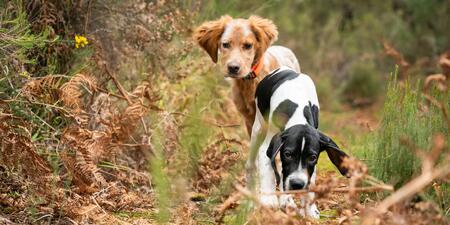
x: 286, y: 124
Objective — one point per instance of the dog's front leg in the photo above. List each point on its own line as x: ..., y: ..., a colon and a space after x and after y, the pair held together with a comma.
x: 309, y: 207
x: 257, y: 137
x: 287, y: 201
x: 267, y: 178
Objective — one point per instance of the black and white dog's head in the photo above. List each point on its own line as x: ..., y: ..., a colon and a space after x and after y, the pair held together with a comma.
x: 299, y: 147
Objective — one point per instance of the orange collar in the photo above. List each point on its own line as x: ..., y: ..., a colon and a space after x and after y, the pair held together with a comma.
x: 256, y: 69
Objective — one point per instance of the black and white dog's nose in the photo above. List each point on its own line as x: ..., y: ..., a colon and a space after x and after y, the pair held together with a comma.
x: 297, y: 184
x: 233, y: 68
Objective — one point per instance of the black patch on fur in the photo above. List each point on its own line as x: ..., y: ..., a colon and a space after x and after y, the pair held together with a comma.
x: 267, y: 87
x: 311, y: 113
x: 272, y: 151
x: 335, y: 154
x: 283, y: 113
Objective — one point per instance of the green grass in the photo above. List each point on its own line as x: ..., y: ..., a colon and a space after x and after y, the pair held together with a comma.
x: 393, y: 161
x: 160, y: 179
x: 388, y: 157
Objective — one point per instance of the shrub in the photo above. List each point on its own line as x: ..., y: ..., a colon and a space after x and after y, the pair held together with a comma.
x: 407, y: 123
x: 363, y: 85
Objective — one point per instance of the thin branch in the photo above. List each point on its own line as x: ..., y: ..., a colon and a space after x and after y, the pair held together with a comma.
x: 247, y: 193
x: 118, y: 85
x: 318, y: 189
x: 110, y: 93
x: 412, y: 187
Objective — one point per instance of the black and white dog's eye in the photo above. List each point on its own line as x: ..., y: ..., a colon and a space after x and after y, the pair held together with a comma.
x: 312, y: 158
x: 225, y: 45
x: 247, y: 46
x: 288, y: 155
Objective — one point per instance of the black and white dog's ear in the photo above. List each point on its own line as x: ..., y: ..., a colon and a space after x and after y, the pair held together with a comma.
x: 274, y: 148
x: 335, y: 154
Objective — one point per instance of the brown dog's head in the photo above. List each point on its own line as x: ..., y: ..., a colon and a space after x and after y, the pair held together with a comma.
x: 236, y: 43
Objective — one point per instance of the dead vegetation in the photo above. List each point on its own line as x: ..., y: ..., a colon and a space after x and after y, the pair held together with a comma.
x: 69, y: 147
x: 214, y: 164
x: 94, y: 136
x: 75, y: 146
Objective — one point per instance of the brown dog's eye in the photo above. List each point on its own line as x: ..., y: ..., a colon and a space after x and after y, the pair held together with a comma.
x: 225, y: 45
x: 247, y: 46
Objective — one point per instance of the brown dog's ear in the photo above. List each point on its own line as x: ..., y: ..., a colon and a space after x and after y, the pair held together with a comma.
x: 208, y: 35
x: 266, y: 33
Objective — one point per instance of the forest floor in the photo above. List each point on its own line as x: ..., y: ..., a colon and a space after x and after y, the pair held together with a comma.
x: 348, y: 125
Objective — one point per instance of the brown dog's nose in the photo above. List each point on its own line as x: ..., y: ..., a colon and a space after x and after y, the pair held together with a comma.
x: 233, y: 68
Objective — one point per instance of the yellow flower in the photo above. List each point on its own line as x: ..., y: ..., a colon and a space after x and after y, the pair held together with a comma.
x: 80, y: 41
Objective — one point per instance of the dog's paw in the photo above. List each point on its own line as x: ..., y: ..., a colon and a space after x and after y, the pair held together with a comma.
x: 313, y: 212
x: 286, y: 201
x: 270, y: 201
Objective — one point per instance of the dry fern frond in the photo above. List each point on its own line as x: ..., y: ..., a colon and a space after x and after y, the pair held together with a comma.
x: 144, y: 91
x: 129, y: 119
x: 72, y: 91
x: 43, y: 14
x: 213, y: 162
x: 140, y: 90
x: 444, y: 62
x: 18, y: 152
x: 399, y: 59
x: 133, y: 112
x: 49, y: 89
x: 126, y: 122
x: 84, y: 150
x: 100, y: 112
x: 45, y: 89
x: 87, y: 146
x: 439, y: 80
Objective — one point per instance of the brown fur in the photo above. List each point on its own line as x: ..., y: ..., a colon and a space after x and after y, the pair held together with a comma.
x: 266, y: 33
x: 209, y: 33
x: 258, y: 32
x: 243, y: 93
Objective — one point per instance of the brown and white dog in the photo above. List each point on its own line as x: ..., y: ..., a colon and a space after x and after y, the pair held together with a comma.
x: 242, y: 47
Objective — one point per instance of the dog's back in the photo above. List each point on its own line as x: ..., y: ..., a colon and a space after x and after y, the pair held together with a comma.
x: 282, y: 92
x: 284, y: 57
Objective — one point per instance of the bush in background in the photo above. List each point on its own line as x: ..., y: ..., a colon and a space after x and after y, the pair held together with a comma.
x: 408, y: 124
x: 363, y: 86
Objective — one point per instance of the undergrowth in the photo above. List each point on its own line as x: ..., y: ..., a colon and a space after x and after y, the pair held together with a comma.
x: 138, y: 127
x: 407, y: 127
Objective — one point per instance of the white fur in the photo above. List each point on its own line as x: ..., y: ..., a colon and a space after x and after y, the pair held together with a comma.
x: 227, y: 32
x: 230, y: 27
x: 300, y: 90
x: 284, y: 57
